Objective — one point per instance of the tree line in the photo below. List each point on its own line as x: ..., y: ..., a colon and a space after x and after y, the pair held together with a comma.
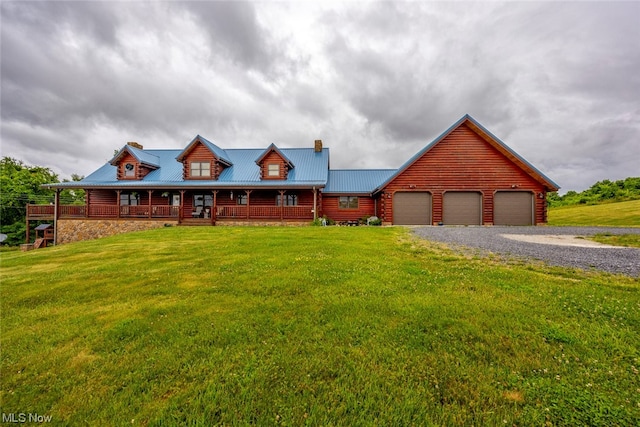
x: 600, y: 192
x: 20, y: 184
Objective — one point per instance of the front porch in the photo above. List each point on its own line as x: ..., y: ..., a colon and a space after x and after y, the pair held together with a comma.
x: 188, y: 207
x: 46, y: 212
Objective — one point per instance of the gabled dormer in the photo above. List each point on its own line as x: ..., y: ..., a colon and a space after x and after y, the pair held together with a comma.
x: 202, y: 159
x: 274, y: 164
x: 133, y: 162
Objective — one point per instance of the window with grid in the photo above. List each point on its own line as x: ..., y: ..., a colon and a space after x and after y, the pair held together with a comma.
x: 200, y: 169
x: 273, y: 169
x: 289, y: 200
x: 348, y: 202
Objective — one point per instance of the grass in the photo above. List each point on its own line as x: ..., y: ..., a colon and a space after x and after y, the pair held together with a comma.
x: 311, y: 326
x: 621, y: 214
x: 626, y: 240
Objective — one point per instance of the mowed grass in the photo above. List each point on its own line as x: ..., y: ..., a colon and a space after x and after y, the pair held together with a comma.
x: 311, y: 326
x: 620, y: 214
x: 626, y: 240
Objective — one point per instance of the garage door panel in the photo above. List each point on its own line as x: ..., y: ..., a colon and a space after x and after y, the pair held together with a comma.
x: 513, y: 208
x: 412, y: 208
x: 462, y: 208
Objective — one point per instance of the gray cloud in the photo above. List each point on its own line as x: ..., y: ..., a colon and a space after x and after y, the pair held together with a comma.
x: 557, y: 82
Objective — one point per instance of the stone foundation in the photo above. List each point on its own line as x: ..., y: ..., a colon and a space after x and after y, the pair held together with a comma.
x: 258, y: 223
x: 74, y: 230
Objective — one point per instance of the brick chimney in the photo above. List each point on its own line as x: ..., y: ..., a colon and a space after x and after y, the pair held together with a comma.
x: 135, y: 145
x: 317, y: 146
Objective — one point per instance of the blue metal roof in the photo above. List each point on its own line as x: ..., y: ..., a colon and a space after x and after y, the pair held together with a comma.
x: 219, y: 152
x: 143, y: 156
x: 313, y: 170
x: 273, y: 147
x: 350, y: 181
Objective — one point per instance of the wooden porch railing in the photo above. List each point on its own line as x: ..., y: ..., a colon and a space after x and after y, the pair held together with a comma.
x: 40, y: 211
x: 266, y: 212
x: 231, y: 212
x: 35, y: 212
x: 102, y: 211
x: 72, y: 211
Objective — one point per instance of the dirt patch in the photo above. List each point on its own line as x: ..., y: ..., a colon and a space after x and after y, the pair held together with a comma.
x: 558, y: 240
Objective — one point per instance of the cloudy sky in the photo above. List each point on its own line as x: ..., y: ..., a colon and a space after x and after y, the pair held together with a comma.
x: 376, y: 81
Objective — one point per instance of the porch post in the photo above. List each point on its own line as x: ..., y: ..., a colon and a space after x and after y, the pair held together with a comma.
x: 55, y: 217
x: 248, y: 201
x: 282, y: 204
x: 150, y: 191
x: 118, y: 203
x: 87, y: 202
x: 181, y: 209
x: 315, y: 204
x: 27, y: 237
x: 214, y: 208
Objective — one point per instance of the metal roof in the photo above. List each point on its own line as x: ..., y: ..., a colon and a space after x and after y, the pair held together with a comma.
x: 271, y: 148
x: 312, y: 170
x: 350, y: 181
x: 217, y: 151
x: 143, y: 156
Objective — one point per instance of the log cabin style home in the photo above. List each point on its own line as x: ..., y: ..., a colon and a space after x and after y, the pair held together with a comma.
x: 466, y: 176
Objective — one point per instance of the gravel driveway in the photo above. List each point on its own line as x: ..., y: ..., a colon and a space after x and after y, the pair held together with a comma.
x: 492, y: 239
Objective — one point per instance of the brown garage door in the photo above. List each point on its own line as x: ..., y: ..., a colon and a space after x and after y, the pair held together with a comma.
x: 513, y: 208
x: 462, y: 208
x: 412, y: 208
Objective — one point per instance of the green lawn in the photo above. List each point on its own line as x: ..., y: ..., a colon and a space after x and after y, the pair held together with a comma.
x: 316, y: 325
x: 626, y: 240
x: 620, y: 214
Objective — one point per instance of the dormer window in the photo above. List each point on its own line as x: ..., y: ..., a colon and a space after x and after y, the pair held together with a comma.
x: 200, y: 169
x: 129, y: 170
x: 273, y: 169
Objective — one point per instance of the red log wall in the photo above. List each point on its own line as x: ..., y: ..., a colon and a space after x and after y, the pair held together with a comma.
x: 463, y: 161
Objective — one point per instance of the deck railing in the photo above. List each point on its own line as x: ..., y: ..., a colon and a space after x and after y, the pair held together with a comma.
x: 40, y: 211
x: 72, y: 211
x: 266, y: 212
x: 35, y: 212
x: 103, y: 211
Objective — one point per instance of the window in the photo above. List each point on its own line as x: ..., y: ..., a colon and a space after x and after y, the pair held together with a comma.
x: 129, y: 170
x: 241, y: 199
x: 289, y: 200
x: 273, y: 169
x: 202, y: 200
x: 199, y: 169
x: 129, y: 199
x: 348, y: 202
x: 202, y: 205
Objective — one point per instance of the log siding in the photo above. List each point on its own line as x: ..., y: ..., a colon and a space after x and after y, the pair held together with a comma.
x: 464, y: 161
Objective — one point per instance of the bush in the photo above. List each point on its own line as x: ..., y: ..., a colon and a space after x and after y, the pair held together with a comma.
x: 324, y: 220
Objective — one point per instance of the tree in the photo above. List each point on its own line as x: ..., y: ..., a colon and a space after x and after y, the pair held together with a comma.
x: 72, y: 196
x: 21, y: 184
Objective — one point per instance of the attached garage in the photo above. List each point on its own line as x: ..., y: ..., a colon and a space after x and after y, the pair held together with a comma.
x: 513, y: 208
x: 412, y: 208
x: 462, y: 208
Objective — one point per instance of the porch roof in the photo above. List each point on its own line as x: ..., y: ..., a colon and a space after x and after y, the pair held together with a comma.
x: 352, y: 181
